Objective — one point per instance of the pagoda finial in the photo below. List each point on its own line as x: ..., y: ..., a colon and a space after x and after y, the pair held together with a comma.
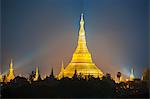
x: 11, y: 60
x: 81, y: 19
x: 81, y: 15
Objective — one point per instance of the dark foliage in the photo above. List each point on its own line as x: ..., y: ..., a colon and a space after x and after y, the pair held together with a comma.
x: 74, y: 88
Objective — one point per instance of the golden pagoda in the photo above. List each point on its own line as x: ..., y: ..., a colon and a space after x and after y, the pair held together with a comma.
x: 132, y: 75
x: 36, y: 74
x: 81, y: 60
x: 10, y: 76
x: 1, y: 78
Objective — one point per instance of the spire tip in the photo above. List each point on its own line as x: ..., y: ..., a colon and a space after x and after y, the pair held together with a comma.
x: 81, y: 15
x: 11, y: 60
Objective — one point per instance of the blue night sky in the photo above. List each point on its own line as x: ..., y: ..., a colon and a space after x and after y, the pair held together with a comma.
x: 44, y: 32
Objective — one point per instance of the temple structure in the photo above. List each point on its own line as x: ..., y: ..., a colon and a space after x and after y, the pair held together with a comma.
x: 1, y: 78
x: 132, y: 75
x: 36, y: 74
x: 10, y: 75
x: 81, y: 60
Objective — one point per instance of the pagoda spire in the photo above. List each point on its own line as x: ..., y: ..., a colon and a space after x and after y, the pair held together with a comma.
x: 10, y: 76
x: 36, y: 74
x: 81, y: 20
x: 11, y: 64
x: 81, y: 59
x: 132, y: 75
x: 82, y: 38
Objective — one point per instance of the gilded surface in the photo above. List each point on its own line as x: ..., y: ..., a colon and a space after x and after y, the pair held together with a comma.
x: 82, y: 60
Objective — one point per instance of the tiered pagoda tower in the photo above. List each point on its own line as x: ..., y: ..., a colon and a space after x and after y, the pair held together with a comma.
x: 36, y: 74
x: 10, y: 75
x: 81, y: 61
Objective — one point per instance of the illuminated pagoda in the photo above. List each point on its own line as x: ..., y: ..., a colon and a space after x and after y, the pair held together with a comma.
x: 1, y: 78
x: 81, y: 60
x: 132, y: 75
x: 10, y: 75
x: 36, y: 74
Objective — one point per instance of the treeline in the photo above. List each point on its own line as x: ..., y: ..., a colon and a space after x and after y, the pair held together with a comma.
x: 74, y: 87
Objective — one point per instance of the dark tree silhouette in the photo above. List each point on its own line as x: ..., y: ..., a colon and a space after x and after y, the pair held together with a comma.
x: 74, y: 88
x: 32, y: 76
x: 75, y: 75
x: 118, y: 75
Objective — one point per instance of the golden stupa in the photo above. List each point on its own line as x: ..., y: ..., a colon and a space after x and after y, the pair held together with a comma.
x: 81, y: 60
x: 36, y: 74
x: 10, y: 75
